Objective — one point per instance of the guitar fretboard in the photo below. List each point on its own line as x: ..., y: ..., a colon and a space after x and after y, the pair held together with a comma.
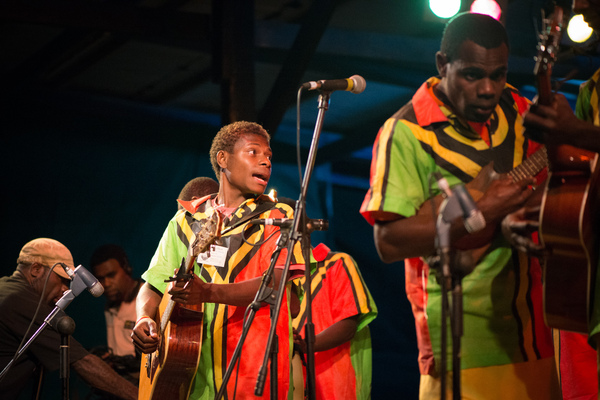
x: 531, y: 166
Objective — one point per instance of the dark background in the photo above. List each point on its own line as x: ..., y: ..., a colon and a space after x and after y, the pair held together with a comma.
x: 108, y: 109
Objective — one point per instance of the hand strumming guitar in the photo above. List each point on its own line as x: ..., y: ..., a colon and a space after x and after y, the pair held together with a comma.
x: 518, y: 228
x: 145, y: 332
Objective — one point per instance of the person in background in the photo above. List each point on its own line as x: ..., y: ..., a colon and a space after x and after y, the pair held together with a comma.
x: 111, y: 266
x: 342, y: 309
x: 197, y: 188
x: 40, y: 281
x: 228, y: 281
x: 461, y: 125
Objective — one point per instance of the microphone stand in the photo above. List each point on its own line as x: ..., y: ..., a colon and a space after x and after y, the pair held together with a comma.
x: 299, y: 229
x: 263, y: 295
x: 449, y: 281
x: 77, y: 286
x: 66, y: 327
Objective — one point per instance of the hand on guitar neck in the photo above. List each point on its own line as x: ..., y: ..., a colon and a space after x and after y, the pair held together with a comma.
x: 557, y: 124
x: 193, y: 291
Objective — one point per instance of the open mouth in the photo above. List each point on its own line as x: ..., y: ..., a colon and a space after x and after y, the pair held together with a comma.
x: 261, y: 178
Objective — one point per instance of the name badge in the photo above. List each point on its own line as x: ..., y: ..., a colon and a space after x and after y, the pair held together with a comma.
x: 215, y: 255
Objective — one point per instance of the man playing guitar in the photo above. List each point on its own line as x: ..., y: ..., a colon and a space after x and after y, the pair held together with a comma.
x: 231, y: 271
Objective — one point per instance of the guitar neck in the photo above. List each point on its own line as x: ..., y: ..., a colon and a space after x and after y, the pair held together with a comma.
x: 166, y: 315
x: 531, y: 166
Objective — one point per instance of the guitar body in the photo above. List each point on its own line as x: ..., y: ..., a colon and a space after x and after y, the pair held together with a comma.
x: 568, y: 230
x: 169, y: 371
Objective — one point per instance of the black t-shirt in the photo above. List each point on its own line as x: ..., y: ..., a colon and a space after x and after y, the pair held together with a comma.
x: 18, y: 302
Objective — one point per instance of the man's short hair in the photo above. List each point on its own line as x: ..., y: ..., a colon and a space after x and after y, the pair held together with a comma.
x: 479, y: 28
x: 228, y: 136
x: 108, y: 251
x: 198, y: 187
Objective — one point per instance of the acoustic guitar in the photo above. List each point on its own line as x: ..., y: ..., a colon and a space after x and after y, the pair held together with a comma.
x: 567, y: 216
x: 168, y: 372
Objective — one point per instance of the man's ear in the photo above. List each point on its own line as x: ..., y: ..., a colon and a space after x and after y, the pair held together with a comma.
x: 36, y: 270
x: 441, y: 62
x: 222, y: 159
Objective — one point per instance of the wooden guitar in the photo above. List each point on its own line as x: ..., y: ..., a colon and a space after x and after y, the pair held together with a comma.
x: 567, y: 213
x: 168, y: 372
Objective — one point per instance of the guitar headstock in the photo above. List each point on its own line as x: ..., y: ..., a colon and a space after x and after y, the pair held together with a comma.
x: 547, y: 52
x: 210, y: 231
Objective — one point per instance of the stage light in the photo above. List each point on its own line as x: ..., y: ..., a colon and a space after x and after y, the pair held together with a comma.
x: 578, y: 30
x: 444, y: 8
x: 487, y: 7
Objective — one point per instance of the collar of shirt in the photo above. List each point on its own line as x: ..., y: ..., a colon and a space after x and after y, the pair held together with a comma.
x: 429, y: 109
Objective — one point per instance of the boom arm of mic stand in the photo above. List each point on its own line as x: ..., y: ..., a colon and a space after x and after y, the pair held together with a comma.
x: 22, y: 350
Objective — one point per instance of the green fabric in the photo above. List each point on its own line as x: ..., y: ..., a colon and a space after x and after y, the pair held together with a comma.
x: 589, y: 111
x: 362, y: 360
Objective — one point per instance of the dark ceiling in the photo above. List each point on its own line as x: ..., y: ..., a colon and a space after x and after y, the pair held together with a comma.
x: 176, y: 67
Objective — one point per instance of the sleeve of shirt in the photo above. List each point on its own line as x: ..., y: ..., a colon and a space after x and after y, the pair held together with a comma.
x: 587, y: 105
x: 398, y: 186
x: 166, y: 259
x: 350, y: 295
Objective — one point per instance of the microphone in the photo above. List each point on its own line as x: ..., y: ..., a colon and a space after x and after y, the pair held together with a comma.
x: 355, y: 84
x: 314, y: 224
x: 473, y: 218
x: 82, y: 276
x: 81, y: 279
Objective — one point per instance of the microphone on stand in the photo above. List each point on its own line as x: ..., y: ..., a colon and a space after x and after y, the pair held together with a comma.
x: 472, y: 217
x: 314, y: 224
x: 81, y: 279
x: 355, y: 84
